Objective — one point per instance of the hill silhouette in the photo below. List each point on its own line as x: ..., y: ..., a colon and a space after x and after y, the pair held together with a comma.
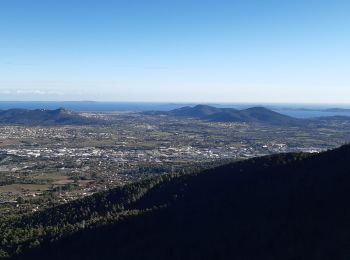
x: 253, y: 114
x: 287, y: 206
x: 59, y: 116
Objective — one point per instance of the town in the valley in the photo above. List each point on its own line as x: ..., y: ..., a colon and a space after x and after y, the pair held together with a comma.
x: 41, y: 166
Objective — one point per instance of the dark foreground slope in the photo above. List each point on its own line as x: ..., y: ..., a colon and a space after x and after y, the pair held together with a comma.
x: 43, y: 117
x: 289, y: 206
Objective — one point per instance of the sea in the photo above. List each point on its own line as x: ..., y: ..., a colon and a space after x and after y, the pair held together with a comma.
x: 294, y: 110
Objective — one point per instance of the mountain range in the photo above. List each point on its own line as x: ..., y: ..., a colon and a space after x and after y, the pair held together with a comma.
x: 59, y: 116
x: 249, y: 115
x: 62, y: 116
x: 285, y: 206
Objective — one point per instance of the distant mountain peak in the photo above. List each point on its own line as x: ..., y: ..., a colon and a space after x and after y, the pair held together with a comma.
x: 58, y: 116
x: 257, y: 114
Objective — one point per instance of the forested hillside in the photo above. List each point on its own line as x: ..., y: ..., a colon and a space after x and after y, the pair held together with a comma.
x: 287, y: 206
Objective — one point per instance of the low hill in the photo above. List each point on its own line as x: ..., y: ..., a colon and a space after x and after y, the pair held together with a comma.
x: 287, y: 206
x: 43, y: 117
x: 254, y: 114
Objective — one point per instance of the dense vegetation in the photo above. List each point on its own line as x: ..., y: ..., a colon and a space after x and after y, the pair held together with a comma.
x: 287, y: 206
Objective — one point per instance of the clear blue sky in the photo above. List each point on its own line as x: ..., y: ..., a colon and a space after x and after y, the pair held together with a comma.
x: 175, y: 50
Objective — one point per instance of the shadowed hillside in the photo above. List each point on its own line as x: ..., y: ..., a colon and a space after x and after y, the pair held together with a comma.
x: 288, y: 206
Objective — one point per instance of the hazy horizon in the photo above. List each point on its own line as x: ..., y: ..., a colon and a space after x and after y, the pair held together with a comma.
x: 324, y: 104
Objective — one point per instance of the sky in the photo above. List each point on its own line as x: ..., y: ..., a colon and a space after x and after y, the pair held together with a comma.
x: 273, y: 51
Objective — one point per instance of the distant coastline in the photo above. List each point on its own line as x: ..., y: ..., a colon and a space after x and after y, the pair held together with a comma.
x: 294, y: 110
